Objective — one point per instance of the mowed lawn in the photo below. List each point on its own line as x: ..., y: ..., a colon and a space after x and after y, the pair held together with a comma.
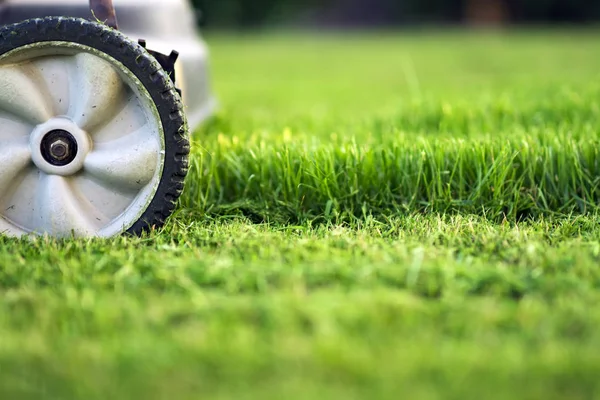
x: 370, y: 215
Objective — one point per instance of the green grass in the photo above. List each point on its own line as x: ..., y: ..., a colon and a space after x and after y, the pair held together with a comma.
x: 392, y: 215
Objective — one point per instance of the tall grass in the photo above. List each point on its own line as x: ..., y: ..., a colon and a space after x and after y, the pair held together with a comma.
x: 525, y: 174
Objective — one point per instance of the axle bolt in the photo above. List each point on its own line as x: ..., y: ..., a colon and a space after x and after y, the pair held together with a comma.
x: 59, y: 149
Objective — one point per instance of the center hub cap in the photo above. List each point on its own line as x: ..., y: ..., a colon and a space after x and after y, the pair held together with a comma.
x: 59, y: 147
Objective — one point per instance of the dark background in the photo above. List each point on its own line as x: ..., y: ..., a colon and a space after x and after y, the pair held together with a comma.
x: 386, y: 13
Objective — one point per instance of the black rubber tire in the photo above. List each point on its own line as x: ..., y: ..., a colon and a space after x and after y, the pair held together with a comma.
x: 148, y: 71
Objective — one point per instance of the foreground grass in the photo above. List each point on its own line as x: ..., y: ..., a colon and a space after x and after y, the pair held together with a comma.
x: 236, y: 309
x: 370, y: 216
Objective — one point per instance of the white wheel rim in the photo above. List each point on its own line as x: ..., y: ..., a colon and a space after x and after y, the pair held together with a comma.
x: 114, y: 149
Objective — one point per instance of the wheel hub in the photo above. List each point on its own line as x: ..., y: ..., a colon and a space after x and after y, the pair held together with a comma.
x: 59, y: 147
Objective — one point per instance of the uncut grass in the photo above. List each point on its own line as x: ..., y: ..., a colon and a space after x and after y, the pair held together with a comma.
x: 281, y: 179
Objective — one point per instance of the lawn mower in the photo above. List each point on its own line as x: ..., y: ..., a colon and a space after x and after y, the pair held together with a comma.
x: 93, y: 128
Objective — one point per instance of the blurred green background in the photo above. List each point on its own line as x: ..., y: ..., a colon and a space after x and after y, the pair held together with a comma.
x: 387, y: 13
